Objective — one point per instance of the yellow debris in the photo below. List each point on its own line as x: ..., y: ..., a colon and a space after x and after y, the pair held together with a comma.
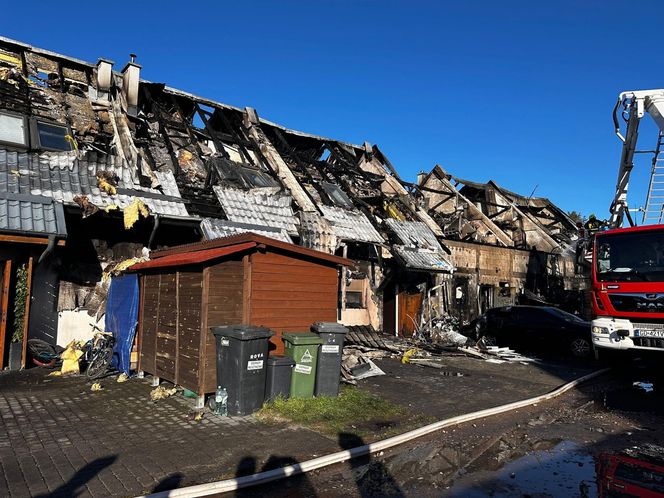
x: 70, y: 357
x: 120, y: 267
x: 161, y: 392
x: 11, y: 59
x: 123, y: 377
x: 406, y: 356
x: 72, y: 141
x: 103, y: 184
x: 96, y: 387
x: 111, y: 207
x: 393, y: 211
x: 57, y: 373
x: 133, y: 211
x: 185, y: 157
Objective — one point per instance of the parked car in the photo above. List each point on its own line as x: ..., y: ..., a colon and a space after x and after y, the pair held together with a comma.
x: 542, y: 328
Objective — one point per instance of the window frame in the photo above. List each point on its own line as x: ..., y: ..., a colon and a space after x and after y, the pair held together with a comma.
x: 26, y: 130
x: 35, y: 140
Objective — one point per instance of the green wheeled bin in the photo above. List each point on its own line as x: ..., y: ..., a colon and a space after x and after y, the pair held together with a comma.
x: 303, y: 349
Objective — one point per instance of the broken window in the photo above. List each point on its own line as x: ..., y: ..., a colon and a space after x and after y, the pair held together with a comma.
x: 241, y: 175
x: 256, y: 178
x: 50, y: 136
x: 13, y: 129
x: 354, y: 300
x: 337, y: 196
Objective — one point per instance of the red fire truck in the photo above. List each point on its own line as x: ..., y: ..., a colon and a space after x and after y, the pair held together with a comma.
x: 628, y: 262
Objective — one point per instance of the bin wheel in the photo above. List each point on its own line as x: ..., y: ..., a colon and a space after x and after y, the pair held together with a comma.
x: 211, y: 403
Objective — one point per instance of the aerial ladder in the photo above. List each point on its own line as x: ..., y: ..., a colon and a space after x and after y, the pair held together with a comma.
x: 632, y: 106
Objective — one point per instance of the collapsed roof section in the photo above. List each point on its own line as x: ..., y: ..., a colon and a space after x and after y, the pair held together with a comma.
x: 457, y: 215
x: 525, y: 232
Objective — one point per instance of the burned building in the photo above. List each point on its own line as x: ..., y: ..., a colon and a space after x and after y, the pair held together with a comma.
x: 507, y: 248
x: 99, y: 167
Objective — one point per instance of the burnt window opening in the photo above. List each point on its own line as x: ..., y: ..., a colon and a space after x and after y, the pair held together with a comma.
x: 13, y: 129
x: 337, y: 196
x: 50, y: 136
x: 354, y: 300
x: 242, y: 175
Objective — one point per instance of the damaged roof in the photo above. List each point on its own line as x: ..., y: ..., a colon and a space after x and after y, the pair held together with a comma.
x: 62, y: 176
x: 417, y: 246
x: 215, y: 228
x: 258, y: 207
x: 351, y: 225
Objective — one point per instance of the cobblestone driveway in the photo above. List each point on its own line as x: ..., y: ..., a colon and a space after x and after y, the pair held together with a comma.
x: 58, y: 438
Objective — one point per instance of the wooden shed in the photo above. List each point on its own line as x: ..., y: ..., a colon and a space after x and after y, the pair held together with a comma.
x: 243, y: 279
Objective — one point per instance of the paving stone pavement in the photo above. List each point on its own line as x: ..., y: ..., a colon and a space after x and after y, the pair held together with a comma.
x: 58, y: 438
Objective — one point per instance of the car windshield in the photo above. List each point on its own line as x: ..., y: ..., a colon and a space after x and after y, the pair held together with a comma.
x: 630, y: 257
x: 568, y: 317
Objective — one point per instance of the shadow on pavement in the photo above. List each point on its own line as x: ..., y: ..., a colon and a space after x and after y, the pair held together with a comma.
x: 169, y: 482
x: 296, y: 486
x: 371, y: 476
x: 74, y: 486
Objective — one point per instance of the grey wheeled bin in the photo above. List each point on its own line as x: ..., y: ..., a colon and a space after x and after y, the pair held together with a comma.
x: 279, y: 372
x: 328, y: 370
x: 241, y: 366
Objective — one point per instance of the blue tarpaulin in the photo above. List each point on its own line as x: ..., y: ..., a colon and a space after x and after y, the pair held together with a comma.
x: 122, y: 318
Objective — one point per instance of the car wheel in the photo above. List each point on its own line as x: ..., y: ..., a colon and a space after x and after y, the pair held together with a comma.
x: 581, y: 347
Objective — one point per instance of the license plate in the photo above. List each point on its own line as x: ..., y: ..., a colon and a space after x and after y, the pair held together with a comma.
x: 649, y: 333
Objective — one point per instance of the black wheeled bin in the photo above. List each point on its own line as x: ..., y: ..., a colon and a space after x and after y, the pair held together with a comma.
x: 241, y: 365
x: 328, y: 370
x: 279, y: 372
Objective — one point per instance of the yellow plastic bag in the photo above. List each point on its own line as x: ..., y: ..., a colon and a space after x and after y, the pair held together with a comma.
x: 70, y: 357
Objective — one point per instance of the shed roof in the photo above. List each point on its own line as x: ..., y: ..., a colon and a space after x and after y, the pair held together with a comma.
x: 258, y: 240
x: 190, y: 258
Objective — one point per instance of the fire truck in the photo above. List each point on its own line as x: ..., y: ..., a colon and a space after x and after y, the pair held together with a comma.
x: 627, y: 262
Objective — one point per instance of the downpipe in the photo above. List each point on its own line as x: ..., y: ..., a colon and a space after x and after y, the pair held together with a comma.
x: 228, y: 485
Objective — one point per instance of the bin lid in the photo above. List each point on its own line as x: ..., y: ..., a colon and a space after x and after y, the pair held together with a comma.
x: 242, y: 332
x: 297, y: 338
x: 278, y: 360
x: 329, y: 327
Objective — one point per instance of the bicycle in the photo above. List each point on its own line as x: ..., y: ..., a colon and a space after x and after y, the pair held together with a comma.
x: 99, y: 354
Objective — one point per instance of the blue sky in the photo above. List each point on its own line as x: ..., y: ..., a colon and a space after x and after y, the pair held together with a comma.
x: 518, y: 92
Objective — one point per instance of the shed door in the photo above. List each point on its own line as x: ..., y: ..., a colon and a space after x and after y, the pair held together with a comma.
x: 149, y: 321
x: 167, y: 328
x: 190, y: 293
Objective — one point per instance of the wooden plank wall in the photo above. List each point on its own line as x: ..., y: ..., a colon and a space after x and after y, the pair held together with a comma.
x: 289, y: 294
x: 190, y: 296
x: 167, y: 328
x: 224, y: 302
x: 150, y: 317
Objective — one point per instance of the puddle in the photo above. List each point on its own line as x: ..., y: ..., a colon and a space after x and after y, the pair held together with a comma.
x: 564, y: 470
x: 567, y: 470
